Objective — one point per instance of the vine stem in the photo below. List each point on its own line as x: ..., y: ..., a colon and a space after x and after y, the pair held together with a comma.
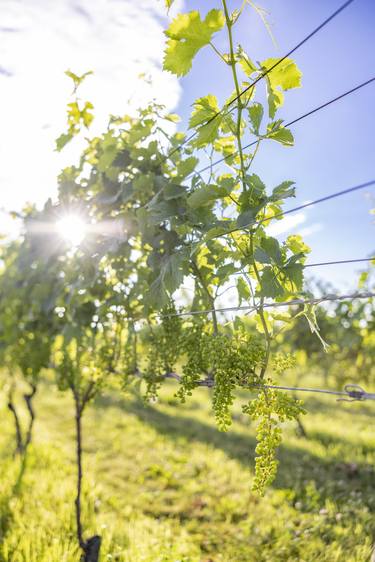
x: 12, y: 408
x: 243, y: 175
x: 238, y: 92
x: 211, y: 299
x: 91, y: 546
x: 261, y: 314
x: 78, y: 422
x: 28, y: 397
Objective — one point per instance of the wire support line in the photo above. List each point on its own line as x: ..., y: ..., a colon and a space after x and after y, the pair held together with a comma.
x: 338, y: 262
x: 351, y: 393
x: 289, y: 124
x: 254, y: 224
x: 252, y: 308
x: 261, y: 76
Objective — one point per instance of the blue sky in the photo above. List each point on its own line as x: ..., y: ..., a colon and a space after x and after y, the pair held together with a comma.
x: 335, y: 148
x: 118, y: 39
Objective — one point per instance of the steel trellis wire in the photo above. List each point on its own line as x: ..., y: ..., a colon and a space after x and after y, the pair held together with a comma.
x: 254, y: 224
x: 297, y: 301
x: 300, y: 118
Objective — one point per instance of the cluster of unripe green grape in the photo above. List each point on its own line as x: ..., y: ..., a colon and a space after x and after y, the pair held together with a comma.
x: 163, y: 349
x: 270, y: 409
x: 225, y: 360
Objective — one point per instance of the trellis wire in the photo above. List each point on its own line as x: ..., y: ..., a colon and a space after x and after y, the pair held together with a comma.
x: 299, y: 208
x: 321, y: 264
x: 300, y: 118
x: 261, y: 76
x: 351, y: 392
x: 339, y: 262
x: 253, y: 308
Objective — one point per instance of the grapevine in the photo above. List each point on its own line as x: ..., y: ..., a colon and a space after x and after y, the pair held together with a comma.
x: 111, y: 308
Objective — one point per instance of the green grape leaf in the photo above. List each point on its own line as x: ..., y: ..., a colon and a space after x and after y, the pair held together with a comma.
x: 187, y: 166
x: 275, y: 98
x: 269, y: 284
x: 293, y: 273
x: 171, y: 275
x: 77, y: 80
x: 255, y: 183
x: 261, y: 256
x: 283, y: 191
x: 205, y: 195
x: 227, y: 146
x: 280, y: 134
x: 173, y: 117
x: 285, y: 75
x: 205, y: 120
x: 86, y: 115
x: 256, y: 116
x: 296, y: 244
x: 243, y: 291
x: 309, y: 313
x: 174, y: 191
x: 246, y: 218
x: 204, y: 109
x: 245, y: 62
x: 271, y: 247
x: 63, y: 140
x: 363, y: 279
x: 187, y: 34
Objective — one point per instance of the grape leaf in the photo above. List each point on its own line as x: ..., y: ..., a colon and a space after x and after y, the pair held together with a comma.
x: 286, y: 75
x: 187, y: 34
x: 187, y: 166
x: 283, y: 77
x: 271, y: 247
x: 261, y: 256
x: 243, y: 291
x: 270, y: 286
x: 296, y: 244
x: 294, y: 275
x: 205, y: 195
x: 280, y: 134
x: 77, y: 79
x: 283, y: 191
x: 246, y: 218
x: 245, y: 62
x: 205, y: 109
x: 256, y: 116
x: 309, y: 313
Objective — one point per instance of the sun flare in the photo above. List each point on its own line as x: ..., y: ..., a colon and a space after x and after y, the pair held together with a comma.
x: 72, y: 229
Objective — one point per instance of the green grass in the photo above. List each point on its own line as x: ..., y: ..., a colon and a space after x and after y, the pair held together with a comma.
x: 163, y: 485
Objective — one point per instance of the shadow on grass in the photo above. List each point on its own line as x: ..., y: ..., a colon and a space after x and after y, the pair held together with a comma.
x: 298, y: 465
x: 6, y: 514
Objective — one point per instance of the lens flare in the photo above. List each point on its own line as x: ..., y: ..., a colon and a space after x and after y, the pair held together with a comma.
x: 72, y: 229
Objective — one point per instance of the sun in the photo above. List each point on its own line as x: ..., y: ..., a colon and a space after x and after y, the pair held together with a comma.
x: 72, y: 229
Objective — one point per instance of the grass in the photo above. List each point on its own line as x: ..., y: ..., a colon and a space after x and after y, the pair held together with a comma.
x: 163, y: 485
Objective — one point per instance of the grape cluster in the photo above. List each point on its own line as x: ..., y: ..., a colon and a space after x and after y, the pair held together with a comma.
x: 227, y: 360
x: 271, y: 408
x: 163, y: 350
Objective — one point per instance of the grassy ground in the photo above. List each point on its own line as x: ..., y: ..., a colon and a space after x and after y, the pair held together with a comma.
x: 163, y: 485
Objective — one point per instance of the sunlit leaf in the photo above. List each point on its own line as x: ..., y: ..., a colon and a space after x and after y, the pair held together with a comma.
x: 187, y: 34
